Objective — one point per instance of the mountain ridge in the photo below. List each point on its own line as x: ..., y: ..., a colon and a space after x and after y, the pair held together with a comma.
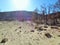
x: 16, y: 15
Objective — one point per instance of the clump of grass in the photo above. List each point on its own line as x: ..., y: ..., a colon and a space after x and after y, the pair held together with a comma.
x: 15, y: 29
x: 29, y: 43
x: 45, y: 26
x: 36, y: 27
x: 20, y: 30
x: 40, y: 29
x: 54, y: 27
x: 45, y: 29
x: 4, y: 40
x: 58, y: 35
x: 48, y: 35
x: 58, y: 43
x: 59, y: 31
x: 32, y: 30
x: 20, y: 27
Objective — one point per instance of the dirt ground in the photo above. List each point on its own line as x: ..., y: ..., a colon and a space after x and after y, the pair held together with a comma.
x: 28, y: 33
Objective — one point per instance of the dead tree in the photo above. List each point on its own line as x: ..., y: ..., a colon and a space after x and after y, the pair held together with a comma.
x: 44, y: 12
x: 35, y: 16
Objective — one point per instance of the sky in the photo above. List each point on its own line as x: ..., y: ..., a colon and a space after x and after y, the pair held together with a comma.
x: 28, y: 5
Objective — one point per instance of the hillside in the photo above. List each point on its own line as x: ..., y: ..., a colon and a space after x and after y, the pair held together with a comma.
x: 15, y: 15
x: 16, y: 30
x: 27, y: 33
x: 50, y: 19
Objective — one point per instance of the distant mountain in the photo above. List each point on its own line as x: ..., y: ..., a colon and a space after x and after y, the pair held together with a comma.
x: 16, y: 15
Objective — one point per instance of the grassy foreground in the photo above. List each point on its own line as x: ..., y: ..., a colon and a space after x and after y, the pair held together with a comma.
x: 24, y: 33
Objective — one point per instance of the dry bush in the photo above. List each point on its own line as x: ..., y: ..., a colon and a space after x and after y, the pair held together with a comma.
x: 58, y: 35
x: 20, y: 31
x: 40, y: 29
x: 4, y: 40
x: 36, y: 27
x: 20, y: 27
x: 45, y: 26
x: 32, y: 30
x: 48, y: 35
x: 54, y: 27
x: 45, y: 29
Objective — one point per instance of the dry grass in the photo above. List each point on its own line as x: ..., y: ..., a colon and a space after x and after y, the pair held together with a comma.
x: 19, y: 33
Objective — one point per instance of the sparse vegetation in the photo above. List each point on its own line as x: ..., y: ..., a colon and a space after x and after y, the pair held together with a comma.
x: 45, y: 26
x: 36, y: 27
x: 26, y: 34
x: 4, y: 40
x: 40, y: 29
x: 54, y: 27
x: 45, y: 29
x: 32, y: 30
x: 58, y: 35
x: 48, y: 35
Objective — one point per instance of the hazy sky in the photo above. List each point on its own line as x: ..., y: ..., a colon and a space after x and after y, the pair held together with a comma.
x: 29, y: 5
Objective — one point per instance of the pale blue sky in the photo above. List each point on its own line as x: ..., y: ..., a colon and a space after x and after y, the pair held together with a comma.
x: 8, y: 5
